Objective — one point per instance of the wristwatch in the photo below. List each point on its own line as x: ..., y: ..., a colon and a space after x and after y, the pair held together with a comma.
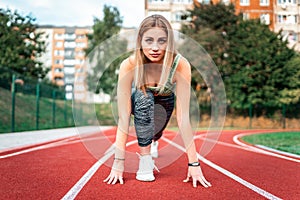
x: 194, y: 164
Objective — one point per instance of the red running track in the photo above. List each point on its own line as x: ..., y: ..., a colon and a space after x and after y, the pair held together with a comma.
x: 74, y: 168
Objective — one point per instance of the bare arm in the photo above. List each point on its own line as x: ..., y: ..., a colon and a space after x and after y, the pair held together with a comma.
x: 124, y: 110
x: 183, y: 90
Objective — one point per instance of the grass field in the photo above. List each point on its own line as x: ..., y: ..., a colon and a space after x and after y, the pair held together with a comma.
x: 283, y: 141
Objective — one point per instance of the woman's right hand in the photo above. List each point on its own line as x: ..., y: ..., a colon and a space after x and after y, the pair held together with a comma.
x: 116, y: 173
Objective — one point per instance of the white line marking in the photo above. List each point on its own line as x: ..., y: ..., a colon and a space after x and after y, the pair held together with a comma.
x: 67, y: 141
x: 35, y: 148
x: 228, y: 173
x: 237, y: 141
x: 278, y: 151
x: 74, y: 191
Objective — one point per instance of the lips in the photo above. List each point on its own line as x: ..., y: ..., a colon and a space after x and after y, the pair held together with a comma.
x: 155, y: 55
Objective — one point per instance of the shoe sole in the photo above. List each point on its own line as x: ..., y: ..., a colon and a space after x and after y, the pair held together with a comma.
x: 145, y: 179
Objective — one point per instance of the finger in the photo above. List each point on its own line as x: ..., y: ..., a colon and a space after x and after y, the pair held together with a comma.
x: 121, y: 180
x: 106, y: 179
x: 110, y: 180
x: 186, y: 180
x: 115, y: 180
x: 205, y: 182
x: 194, y: 182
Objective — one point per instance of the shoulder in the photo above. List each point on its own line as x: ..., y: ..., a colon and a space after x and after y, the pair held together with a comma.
x: 128, y: 64
x: 183, y: 65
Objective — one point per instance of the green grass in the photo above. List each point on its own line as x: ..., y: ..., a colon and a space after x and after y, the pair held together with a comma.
x: 283, y: 141
x: 25, y: 112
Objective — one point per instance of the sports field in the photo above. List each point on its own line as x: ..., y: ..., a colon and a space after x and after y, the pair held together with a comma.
x: 74, y: 168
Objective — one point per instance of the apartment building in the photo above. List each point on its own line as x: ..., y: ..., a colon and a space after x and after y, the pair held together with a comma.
x: 286, y: 16
x: 173, y: 10
x: 256, y: 9
x: 65, y: 56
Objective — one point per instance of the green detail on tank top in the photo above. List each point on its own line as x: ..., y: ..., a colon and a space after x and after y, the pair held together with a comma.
x: 168, y: 89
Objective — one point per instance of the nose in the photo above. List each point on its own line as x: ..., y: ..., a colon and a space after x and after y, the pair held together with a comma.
x: 155, y: 46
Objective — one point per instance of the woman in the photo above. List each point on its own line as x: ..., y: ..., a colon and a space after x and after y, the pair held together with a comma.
x: 154, y: 69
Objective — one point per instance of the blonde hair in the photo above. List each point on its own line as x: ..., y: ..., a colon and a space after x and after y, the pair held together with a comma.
x: 148, y: 23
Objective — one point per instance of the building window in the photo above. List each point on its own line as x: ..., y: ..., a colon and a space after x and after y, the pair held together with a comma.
x: 287, y: 19
x: 81, y: 44
x: 70, y: 44
x: 58, y: 53
x: 69, y: 70
x: 158, y: 1
x: 286, y: 1
x: 69, y: 62
x: 265, y: 19
x: 244, y: 2
x: 70, y: 36
x: 59, y: 36
x: 80, y: 53
x: 69, y: 53
x: 182, y: 1
x: 58, y: 61
x: 246, y: 16
x: 58, y: 70
x: 81, y: 36
x: 59, y: 44
x: 264, y: 3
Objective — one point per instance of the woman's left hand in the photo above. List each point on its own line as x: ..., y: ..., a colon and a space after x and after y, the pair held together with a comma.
x: 197, y: 175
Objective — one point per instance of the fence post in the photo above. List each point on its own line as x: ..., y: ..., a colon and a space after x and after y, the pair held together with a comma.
x: 53, y: 107
x: 37, y: 106
x: 283, y: 115
x: 250, y: 115
x: 13, y: 102
x: 65, y: 113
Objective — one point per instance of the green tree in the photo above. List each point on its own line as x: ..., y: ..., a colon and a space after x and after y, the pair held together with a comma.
x: 257, y: 66
x: 105, y: 51
x: 208, y: 27
x: 20, y: 46
x: 290, y: 90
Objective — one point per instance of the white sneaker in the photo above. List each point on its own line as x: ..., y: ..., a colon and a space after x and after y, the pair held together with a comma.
x: 154, y: 149
x: 146, y: 166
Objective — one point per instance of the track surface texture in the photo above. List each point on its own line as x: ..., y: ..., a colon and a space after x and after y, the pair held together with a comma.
x: 75, y: 167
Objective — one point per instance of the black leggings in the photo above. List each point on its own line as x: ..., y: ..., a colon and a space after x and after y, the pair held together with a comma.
x: 151, y: 115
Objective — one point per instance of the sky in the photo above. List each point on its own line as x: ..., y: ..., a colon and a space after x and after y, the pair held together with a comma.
x: 75, y: 13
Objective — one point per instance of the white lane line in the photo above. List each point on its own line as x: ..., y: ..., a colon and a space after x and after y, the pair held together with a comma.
x: 57, y: 143
x: 278, y: 151
x: 228, y: 173
x: 63, y: 142
x: 74, y: 191
x: 237, y: 141
x: 243, y: 146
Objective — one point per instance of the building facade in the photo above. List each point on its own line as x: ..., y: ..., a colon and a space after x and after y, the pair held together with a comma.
x: 286, y: 17
x: 65, y: 56
x: 173, y: 10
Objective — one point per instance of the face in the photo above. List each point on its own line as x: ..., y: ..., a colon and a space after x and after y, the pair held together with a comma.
x: 154, y: 44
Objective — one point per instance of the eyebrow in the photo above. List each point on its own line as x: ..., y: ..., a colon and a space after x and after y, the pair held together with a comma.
x: 149, y: 37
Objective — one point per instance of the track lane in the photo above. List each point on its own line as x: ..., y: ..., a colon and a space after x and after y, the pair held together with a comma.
x: 37, y: 174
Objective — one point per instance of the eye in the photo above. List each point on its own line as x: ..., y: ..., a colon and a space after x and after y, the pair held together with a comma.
x: 149, y: 40
x: 162, y: 41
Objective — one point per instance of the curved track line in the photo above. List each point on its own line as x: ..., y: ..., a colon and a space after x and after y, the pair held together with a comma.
x: 237, y: 141
x: 228, y: 173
